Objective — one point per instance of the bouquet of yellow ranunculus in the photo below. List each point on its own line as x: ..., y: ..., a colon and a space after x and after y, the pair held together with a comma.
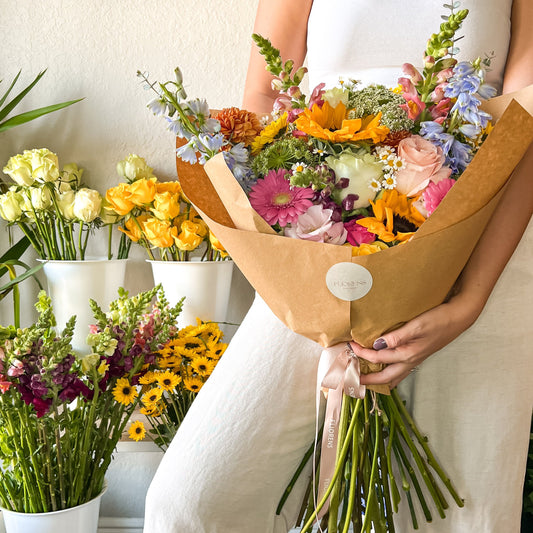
x: 158, y: 216
x: 51, y: 205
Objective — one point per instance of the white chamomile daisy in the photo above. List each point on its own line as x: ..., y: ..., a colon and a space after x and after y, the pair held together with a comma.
x: 375, y: 185
x: 389, y: 181
x: 298, y: 167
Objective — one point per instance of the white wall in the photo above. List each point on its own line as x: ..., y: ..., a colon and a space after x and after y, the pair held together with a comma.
x: 93, y: 49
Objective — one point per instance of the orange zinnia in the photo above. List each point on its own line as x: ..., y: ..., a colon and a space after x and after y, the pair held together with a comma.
x: 329, y: 123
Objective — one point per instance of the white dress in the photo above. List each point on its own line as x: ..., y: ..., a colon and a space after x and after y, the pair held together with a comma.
x: 251, y: 423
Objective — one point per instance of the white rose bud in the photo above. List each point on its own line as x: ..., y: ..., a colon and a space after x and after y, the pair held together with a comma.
x: 70, y: 177
x: 65, y: 202
x: 87, y: 204
x: 360, y: 171
x: 134, y: 168
x: 19, y: 169
x: 10, y: 203
x: 40, y: 198
x: 44, y: 165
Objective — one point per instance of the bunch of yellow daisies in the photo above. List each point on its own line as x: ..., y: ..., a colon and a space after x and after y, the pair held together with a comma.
x: 181, y: 369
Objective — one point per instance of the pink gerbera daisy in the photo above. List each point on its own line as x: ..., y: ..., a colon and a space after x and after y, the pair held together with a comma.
x: 277, y: 201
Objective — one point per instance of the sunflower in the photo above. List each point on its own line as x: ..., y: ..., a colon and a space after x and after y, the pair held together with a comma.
x: 148, y: 378
x: 330, y: 123
x: 137, y: 431
x: 193, y: 384
x: 123, y: 392
x: 155, y: 409
x: 172, y: 362
x: 203, y: 366
x: 395, y: 217
x: 152, y: 396
x: 168, y: 380
x: 216, y: 351
x: 187, y: 346
x: 209, y: 332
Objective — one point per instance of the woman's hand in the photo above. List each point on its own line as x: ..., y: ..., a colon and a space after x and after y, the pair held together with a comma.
x: 410, y: 345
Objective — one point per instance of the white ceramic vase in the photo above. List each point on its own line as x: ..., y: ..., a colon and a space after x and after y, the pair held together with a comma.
x: 72, y: 283
x: 80, y: 519
x: 205, y: 284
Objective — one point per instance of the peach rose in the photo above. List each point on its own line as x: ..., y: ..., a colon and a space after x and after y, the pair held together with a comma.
x: 423, y: 162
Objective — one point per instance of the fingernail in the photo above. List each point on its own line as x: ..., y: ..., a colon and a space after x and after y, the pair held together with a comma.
x: 379, y: 344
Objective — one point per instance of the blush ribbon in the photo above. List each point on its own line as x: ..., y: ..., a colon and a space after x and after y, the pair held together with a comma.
x: 342, y: 376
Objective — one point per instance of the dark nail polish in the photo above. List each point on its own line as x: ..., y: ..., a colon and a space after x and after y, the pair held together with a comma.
x: 379, y: 344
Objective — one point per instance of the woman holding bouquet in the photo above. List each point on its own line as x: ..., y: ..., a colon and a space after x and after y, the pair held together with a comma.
x: 255, y: 417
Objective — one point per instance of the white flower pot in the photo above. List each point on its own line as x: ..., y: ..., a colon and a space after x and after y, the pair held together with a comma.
x: 80, y: 519
x: 205, y: 284
x: 72, y: 283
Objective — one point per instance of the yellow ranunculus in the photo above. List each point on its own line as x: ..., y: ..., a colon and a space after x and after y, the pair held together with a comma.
x: 159, y: 233
x: 142, y: 191
x: 134, y: 226
x: 166, y: 205
x: 217, y: 245
x: 119, y: 199
x: 188, y: 239
x: 173, y: 187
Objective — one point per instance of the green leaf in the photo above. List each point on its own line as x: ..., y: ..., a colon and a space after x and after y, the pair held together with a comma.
x: 30, y: 272
x: 15, y: 252
x: 6, y: 94
x: 11, y: 105
x: 17, y: 120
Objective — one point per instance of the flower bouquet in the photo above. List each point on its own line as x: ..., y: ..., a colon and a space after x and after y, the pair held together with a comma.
x: 62, y: 416
x: 51, y: 206
x: 158, y: 216
x: 365, y: 185
x: 181, y: 368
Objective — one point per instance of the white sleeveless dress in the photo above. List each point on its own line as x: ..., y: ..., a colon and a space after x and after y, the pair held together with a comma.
x: 251, y: 423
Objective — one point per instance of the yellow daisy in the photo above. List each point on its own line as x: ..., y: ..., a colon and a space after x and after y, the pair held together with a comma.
x: 152, y: 396
x: 168, y: 380
x: 137, y: 431
x: 148, y: 378
x: 269, y: 133
x: 203, y: 366
x: 123, y: 392
x: 193, y: 384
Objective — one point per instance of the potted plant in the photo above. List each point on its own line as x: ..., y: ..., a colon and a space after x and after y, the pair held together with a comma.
x: 62, y: 416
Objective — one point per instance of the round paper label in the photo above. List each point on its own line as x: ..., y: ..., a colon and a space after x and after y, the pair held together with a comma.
x: 348, y: 281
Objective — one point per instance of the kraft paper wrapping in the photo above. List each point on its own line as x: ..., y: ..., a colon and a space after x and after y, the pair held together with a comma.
x: 408, y: 279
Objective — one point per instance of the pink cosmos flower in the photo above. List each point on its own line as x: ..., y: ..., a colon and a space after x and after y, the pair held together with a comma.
x: 357, y: 234
x: 276, y: 201
x: 316, y: 225
x: 435, y: 192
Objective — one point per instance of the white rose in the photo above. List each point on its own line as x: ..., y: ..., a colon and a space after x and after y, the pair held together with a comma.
x: 10, y: 203
x: 87, y: 204
x: 19, y: 169
x: 134, y: 168
x: 65, y: 202
x: 335, y: 96
x: 40, y: 198
x: 360, y: 170
x: 44, y: 164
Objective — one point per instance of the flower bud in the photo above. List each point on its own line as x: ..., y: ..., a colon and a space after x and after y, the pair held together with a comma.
x: 179, y: 76
x: 65, y: 203
x: 133, y: 168
x: 10, y: 206
x: 40, y: 198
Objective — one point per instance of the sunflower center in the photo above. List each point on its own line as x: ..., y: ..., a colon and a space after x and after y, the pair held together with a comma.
x: 402, y: 225
x: 281, y: 198
x: 126, y: 391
